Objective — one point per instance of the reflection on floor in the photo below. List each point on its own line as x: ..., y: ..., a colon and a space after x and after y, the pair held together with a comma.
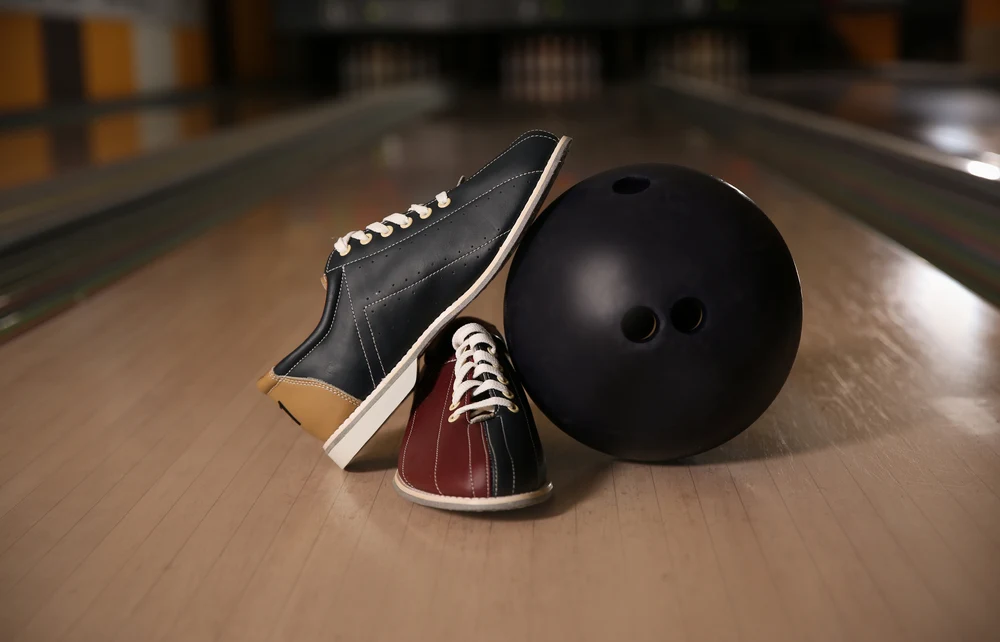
x: 960, y: 120
x: 33, y: 153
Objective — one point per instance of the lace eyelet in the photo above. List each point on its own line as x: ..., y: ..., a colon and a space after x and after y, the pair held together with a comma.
x: 445, y: 204
x: 366, y: 240
x: 388, y: 231
x: 409, y: 222
x: 425, y: 215
x: 452, y: 418
x: 491, y: 350
x: 508, y: 394
x: 453, y: 406
x: 514, y: 408
x: 345, y: 252
x: 503, y: 380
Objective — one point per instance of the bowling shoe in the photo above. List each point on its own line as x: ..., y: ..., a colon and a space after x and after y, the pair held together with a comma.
x: 471, y: 443
x: 392, y: 287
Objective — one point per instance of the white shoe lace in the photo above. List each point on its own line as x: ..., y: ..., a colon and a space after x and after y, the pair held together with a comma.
x: 475, y: 352
x: 383, y: 228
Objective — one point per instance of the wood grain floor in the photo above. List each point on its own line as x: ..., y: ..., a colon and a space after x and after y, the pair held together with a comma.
x: 149, y: 492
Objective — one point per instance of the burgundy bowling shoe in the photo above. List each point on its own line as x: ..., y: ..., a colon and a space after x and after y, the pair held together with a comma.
x: 392, y: 287
x: 471, y: 443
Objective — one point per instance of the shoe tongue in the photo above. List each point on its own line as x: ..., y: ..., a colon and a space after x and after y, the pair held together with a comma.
x: 482, y: 377
x: 481, y: 346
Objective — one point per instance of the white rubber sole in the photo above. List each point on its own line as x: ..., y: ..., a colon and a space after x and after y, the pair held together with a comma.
x: 348, y: 440
x: 471, y: 504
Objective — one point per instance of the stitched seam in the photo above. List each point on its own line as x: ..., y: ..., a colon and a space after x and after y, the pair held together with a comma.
x: 533, y: 131
x: 492, y: 450
x: 513, y: 471
x: 539, y: 131
x: 336, y: 306
x: 406, y: 444
x: 443, y: 267
x: 517, y: 141
x: 295, y: 381
x: 468, y: 438
x: 493, y: 457
x: 382, y: 365
x: 437, y: 447
x: 506, y: 151
x: 356, y: 327
x: 489, y: 462
x: 436, y: 221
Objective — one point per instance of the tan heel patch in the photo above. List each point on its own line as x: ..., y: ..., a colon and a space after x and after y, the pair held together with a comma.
x: 268, y: 381
x: 317, y: 406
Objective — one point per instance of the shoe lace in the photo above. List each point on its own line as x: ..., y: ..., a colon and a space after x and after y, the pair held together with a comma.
x: 475, y: 354
x: 384, y: 227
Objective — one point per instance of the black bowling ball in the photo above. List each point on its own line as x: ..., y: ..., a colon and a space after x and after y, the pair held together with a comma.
x: 653, y: 312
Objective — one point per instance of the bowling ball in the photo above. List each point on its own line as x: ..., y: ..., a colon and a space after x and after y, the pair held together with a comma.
x: 653, y: 312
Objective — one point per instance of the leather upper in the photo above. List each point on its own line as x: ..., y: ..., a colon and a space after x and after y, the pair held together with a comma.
x: 498, y: 457
x: 382, y: 296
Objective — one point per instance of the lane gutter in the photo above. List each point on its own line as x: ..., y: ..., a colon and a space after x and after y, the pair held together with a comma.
x: 76, y: 267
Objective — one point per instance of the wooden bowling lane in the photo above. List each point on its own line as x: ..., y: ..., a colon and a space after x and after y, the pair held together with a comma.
x: 147, y: 491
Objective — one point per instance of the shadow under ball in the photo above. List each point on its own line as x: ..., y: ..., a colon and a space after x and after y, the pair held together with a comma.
x: 653, y: 312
